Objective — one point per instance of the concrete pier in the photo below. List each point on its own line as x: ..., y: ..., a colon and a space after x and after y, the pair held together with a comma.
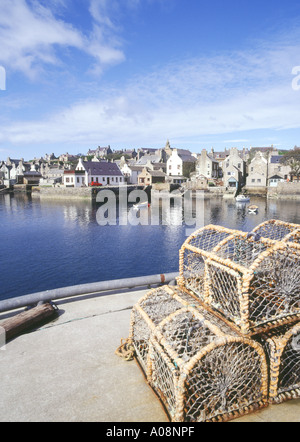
x: 67, y: 370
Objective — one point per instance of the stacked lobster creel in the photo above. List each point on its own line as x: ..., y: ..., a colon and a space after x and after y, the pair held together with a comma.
x: 200, y: 368
x: 282, y: 345
x: 252, y: 281
x: 226, y: 341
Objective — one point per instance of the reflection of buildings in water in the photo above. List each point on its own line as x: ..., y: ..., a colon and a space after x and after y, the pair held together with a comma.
x: 166, y: 210
x: 175, y: 209
x: 272, y: 208
x: 8, y: 202
x: 241, y: 211
x: 15, y: 201
x: 17, y: 204
x: 82, y: 214
x: 194, y: 211
x: 213, y: 211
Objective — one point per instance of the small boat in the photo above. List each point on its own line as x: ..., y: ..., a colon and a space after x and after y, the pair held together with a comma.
x: 242, y: 199
x: 141, y: 205
x: 253, y: 209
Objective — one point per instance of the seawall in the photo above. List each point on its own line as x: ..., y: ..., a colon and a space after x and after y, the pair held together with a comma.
x: 283, y: 190
x: 256, y: 191
x: 79, y: 193
x: 289, y: 191
x: 63, y: 193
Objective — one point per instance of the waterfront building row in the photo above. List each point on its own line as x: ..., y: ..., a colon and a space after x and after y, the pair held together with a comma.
x: 232, y: 169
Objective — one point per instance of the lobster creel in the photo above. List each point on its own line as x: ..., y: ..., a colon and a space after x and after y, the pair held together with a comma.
x: 199, y: 367
x: 278, y: 230
x: 282, y: 347
x: 251, y: 281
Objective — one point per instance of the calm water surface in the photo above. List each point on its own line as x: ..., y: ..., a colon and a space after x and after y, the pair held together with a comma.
x: 47, y: 245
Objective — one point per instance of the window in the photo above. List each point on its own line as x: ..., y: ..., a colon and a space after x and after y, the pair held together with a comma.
x: 252, y: 181
x: 92, y: 178
x: 259, y: 180
x: 103, y: 179
x: 67, y: 180
x: 97, y: 180
x: 78, y: 179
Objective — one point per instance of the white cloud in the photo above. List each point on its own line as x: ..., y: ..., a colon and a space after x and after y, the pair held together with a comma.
x: 230, y: 92
x: 30, y: 32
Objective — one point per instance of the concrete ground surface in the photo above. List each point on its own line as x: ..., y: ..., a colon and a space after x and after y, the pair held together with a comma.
x: 67, y: 370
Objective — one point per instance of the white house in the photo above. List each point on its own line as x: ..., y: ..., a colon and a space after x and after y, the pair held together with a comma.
x: 130, y: 170
x: 87, y: 172
x: 178, y: 160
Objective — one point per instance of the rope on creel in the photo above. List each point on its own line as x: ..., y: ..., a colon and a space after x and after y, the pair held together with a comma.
x: 126, y: 350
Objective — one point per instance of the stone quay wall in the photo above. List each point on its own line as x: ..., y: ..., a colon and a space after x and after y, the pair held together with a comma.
x: 63, y: 192
x: 285, y: 190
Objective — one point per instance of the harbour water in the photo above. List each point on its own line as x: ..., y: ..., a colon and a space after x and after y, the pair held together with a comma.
x: 51, y: 244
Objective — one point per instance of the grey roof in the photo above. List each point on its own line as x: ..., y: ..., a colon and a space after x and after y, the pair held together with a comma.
x: 32, y: 173
x: 186, y: 155
x: 212, y: 158
x: 156, y: 173
x: 145, y: 158
x: 276, y: 159
x: 184, y: 152
x: 276, y: 177
x: 187, y: 158
x: 102, y: 168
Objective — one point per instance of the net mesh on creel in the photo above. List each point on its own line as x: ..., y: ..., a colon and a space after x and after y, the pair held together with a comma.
x: 155, y: 306
x: 198, y: 366
x: 191, y: 265
x: 283, y: 349
x: 276, y: 229
x: 253, y: 282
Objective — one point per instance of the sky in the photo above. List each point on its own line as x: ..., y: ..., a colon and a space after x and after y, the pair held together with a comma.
x: 77, y: 74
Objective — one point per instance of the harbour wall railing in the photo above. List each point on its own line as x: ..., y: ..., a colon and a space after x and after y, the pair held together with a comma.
x: 86, y: 289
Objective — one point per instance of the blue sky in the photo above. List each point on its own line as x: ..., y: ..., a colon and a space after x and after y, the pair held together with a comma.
x: 134, y: 73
